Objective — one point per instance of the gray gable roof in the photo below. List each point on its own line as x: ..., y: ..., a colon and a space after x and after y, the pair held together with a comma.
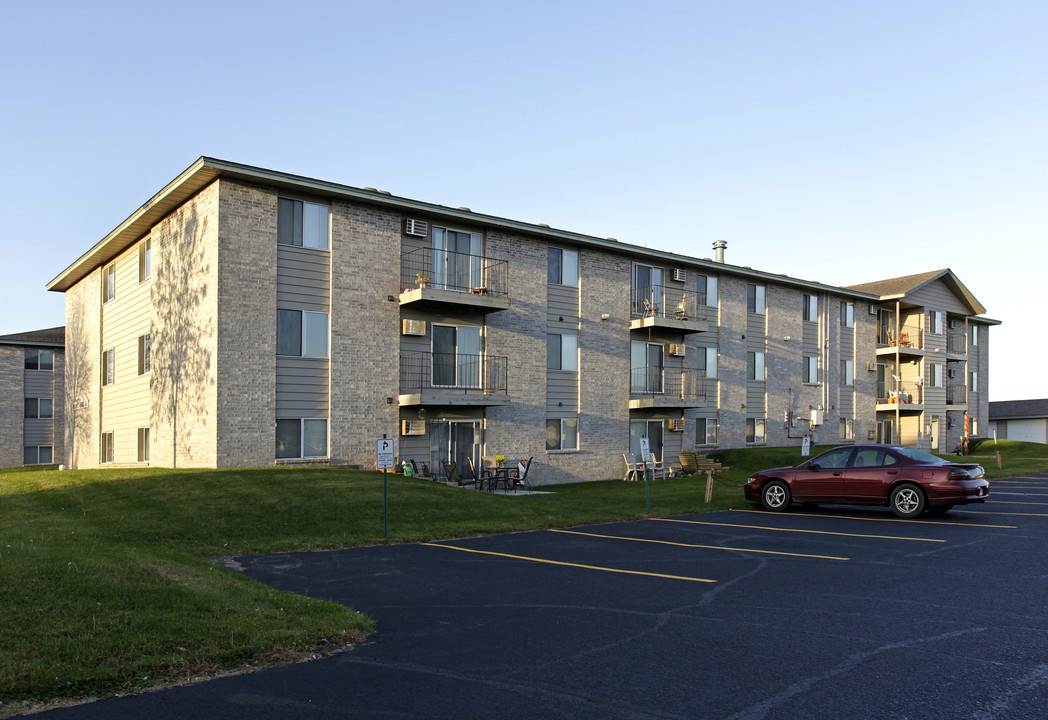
x: 51, y: 337
x: 1014, y: 409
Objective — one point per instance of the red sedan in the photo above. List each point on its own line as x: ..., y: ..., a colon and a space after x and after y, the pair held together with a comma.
x: 908, y: 481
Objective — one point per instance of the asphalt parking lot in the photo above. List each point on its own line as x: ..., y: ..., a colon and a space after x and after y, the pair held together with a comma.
x: 832, y: 613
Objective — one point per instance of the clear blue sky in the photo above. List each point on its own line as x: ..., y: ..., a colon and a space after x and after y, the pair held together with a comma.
x: 836, y: 141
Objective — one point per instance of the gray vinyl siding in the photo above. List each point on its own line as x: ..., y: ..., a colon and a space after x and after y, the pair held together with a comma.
x: 937, y: 296
x: 756, y: 326
x: 562, y: 302
x: 38, y: 432
x: 39, y: 384
x: 303, y: 279
x: 810, y: 339
x: 562, y: 393
x: 755, y: 394
x: 302, y: 387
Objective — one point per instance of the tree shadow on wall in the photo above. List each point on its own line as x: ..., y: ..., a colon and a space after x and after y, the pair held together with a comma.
x: 183, y: 333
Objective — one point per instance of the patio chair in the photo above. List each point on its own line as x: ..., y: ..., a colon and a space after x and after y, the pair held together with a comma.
x: 484, y: 476
x: 451, y: 471
x: 689, y: 462
x: 632, y: 466
x: 522, y: 478
x: 657, y: 468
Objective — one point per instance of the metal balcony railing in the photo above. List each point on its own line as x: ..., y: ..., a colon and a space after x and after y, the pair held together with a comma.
x: 687, y: 384
x: 956, y: 343
x: 667, y: 302
x: 956, y: 394
x: 909, y: 337
x: 445, y: 270
x: 904, y: 394
x: 453, y: 373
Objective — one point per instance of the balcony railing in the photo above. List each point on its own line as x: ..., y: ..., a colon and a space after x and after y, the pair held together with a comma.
x: 461, y: 272
x: 956, y: 343
x: 904, y: 394
x: 908, y: 338
x: 663, y: 301
x: 956, y: 395
x: 688, y: 384
x: 453, y: 373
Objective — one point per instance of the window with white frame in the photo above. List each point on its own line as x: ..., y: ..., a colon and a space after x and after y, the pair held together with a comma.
x: 562, y: 351
x: 707, y: 362
x: 143, y: 354
x: 143, y: 445
x: 755, y: 366
x: 108, y: 366
x: 145, y: 260
x: 302, y: 224
x: 39, y: 359
x: 562, y: 434
x: 847, y: 314
x: 707, y: 287
x: 935, y: 322
x: 563, y: 267
x: 810, y: 308
x: 935, y: 374
x: 973, y: 381
x: 647, y: 364
x: 302, y: 438
x: 810, y: 369
x: 301, y: 333
x: 755, y: 430
x: 847, y: 372
x: 37, y: 455
x: 106, y: 448
x: 457, y: 356
x: 706, y: 431
x: 456, y: 259
x: 39, y: 408
x: 847, y: 431
x: 756, y: 301
x: 974, y: 331
x: 109, y: 282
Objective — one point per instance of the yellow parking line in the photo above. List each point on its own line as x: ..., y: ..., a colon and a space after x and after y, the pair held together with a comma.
x: 1012, y: 502
x: 885, y: 519
x: 996, y: 512
x: 706, y: 547
x: 575, y: 565
x: 810, y: 532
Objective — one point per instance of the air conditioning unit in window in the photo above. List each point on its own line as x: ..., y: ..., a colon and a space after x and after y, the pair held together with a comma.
x: 951, y: 373
x: 418, y: 228
x: 412, y: 427
x: 680, y: 275
x: 413, y: 327
x: 676, y: 424
x: 872, y: 309
x: 677, y: 349
x: 953, y: 324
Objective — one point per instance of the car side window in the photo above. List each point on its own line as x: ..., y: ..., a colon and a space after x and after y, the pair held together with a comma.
x: 834, y: 458
x: 889, y: 459
x: 868, y: 458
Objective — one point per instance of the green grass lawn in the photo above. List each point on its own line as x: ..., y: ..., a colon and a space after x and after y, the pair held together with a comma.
x: 109, y: 584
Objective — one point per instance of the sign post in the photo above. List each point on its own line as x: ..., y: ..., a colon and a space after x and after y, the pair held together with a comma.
x: 645, y: 454
x: 385, y: 451
x: 806, y: 446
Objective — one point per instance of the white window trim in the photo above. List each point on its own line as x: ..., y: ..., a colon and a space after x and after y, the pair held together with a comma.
x: 563, y: 449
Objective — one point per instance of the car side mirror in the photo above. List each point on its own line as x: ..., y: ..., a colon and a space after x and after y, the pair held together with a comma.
x: 814, y: 465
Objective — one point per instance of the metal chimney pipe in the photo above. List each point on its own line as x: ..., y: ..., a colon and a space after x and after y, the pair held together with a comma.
x: 718, y: 248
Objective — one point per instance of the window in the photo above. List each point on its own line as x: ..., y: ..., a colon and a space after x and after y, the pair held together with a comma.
x: 42, y: 408
x: 456, y: 259
x: 145, y: 259
x: 647, y: 290
x: 935, y: 374
x: 706, y: 431
x: 973, y: 381
x: 302, y: 438
x: 651, y: 429
x: 755, y: 430
x: 708, y: 362
x: 708, y: 289
x: 143, y: 445
x: 562, y: 434
x: 108, y: 366
x: 109, y: 282
x: 847, y: 314
x: 810, y: 309
x: 646, y: 365
x: 563, y: 267
x: 755, y: 366
x: 37, y: 455
x: 975, y: 335
x: 457, y: 356
x: 935, y: 322
x: 562, y: 352
x: 39, y: 359
x: 106, y: 449
x: 809, y: 369
x: 755, y: 300
x: 302, y: 224
x: 302, y: 334
x: 847, y: 429
x: 847, y: 372
x: 143, y: 354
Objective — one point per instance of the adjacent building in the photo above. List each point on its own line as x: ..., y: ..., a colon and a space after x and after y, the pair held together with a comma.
x: 1020, y: 420
x: 244, y: 316
x: 32, y: 398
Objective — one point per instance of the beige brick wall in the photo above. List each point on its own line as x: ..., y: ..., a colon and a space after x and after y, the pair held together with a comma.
x: 12, y: 372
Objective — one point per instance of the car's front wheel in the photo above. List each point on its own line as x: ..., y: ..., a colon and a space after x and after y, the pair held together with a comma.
x: 907, y: 501
x: 775, y: 496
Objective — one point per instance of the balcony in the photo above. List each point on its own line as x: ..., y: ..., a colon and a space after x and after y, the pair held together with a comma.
x: 657, y: 387
x: 441, y: 277
x: 672, y: 308
x: 910, y: 342
x: 956, y: 394
x: 428, y: 378
x: 957, y: 344
x: 908, y: 398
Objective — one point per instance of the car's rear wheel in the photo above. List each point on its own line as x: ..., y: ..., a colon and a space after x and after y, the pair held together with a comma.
x: 775, y: 496
x: 939, y: 509
x: 907, y: 501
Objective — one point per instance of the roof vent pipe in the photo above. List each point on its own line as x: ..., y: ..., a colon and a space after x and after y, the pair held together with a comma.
x: 718, y: 248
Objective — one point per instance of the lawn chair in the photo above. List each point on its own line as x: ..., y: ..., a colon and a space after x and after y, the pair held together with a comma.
x: 451, y: 471
x: 689, y: 462
x: 632, y: 467
x: 484, y: 476
x: 522, y: 478
x: 657, y: 468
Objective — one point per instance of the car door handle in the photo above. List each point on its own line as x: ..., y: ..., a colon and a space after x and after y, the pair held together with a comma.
x: 893, y: 472
x: 837, y: 474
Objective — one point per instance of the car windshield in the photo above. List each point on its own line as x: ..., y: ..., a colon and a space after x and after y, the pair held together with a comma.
x: 918, y: 455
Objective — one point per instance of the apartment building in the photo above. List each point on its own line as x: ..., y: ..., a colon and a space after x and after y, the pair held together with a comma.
x: 32, y: 398
x: 244, y: 316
